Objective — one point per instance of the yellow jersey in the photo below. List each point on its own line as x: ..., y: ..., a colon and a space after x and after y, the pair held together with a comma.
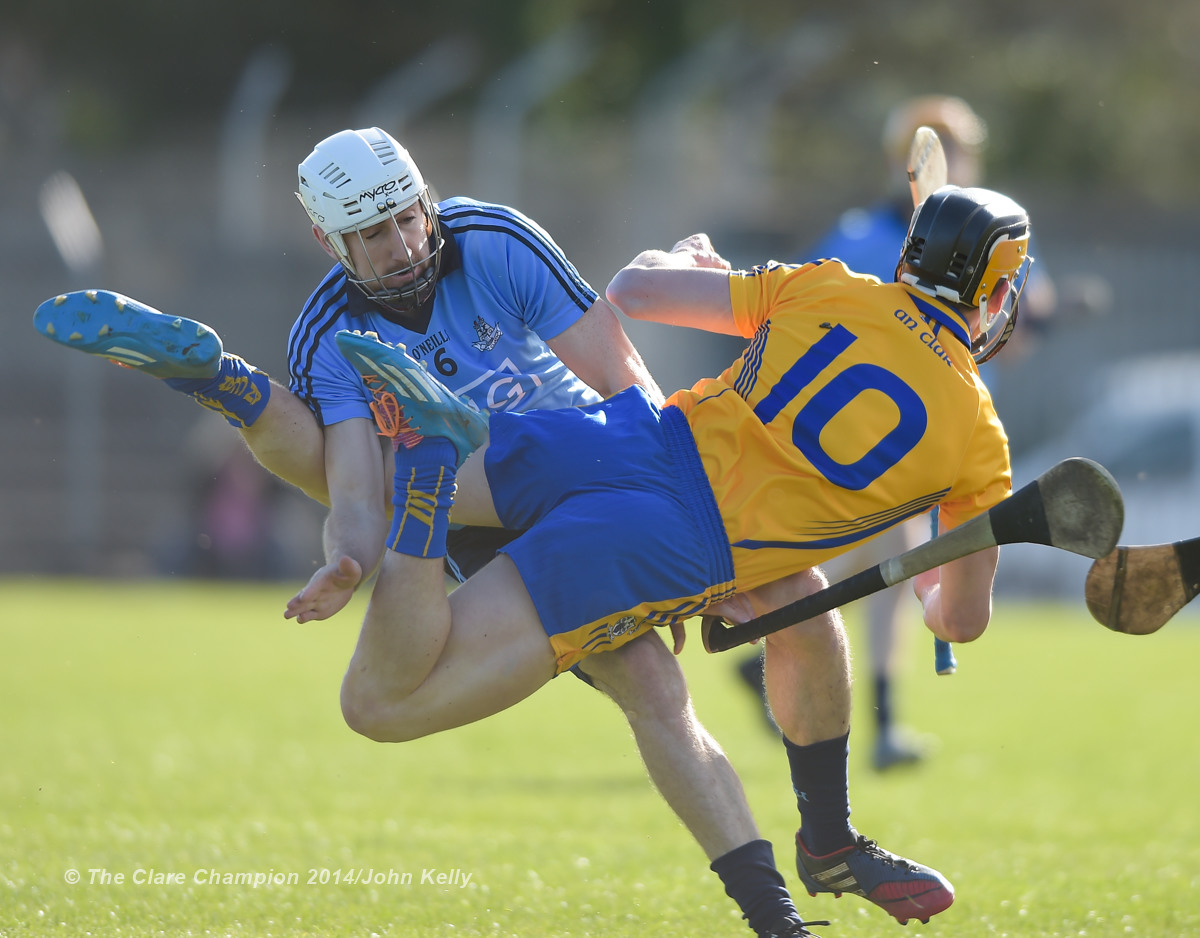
x: 855, y: 406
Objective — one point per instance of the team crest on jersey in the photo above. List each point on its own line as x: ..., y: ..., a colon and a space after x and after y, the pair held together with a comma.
x: 622, y: 626
x: 486, y: 335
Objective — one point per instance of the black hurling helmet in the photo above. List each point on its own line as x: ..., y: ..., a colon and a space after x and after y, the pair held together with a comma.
x: 970, y: 246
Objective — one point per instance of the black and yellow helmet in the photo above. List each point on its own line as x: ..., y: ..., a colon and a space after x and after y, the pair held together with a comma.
x: 970, y: 246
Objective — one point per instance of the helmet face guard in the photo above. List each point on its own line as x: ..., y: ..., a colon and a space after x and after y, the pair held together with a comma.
x: 355, y: 180
x: 418, y: 277
x: 998, y: 311
x: 971, y: 247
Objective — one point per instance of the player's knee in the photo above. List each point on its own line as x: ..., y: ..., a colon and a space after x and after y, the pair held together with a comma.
x: 821, y: 638
x: 643, y: 678
x: 368, y: 715
x: 361, y: 717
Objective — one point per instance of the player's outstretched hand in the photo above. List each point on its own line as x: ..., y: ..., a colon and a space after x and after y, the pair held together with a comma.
x: 327, y: 592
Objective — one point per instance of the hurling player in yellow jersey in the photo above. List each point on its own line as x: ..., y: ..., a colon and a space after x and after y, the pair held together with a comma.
x: 856, y: 405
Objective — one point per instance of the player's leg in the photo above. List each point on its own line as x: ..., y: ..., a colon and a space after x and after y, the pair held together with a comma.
x: 645, y: 680
x: 808, y: 685
x: 426, y: 662
x: 188, y: 355
x: 693, y: 775
x: 686, y: 764
x: 807, y: 666
x: 287, y: 441
x: 548, y: 556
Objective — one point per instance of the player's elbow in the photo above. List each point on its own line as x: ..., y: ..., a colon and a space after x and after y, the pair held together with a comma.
x: 628, y: 291
x: 966, y: 596
x: 965, y: 623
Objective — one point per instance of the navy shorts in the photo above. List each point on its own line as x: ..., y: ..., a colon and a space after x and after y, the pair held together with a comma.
x: 622, y: 532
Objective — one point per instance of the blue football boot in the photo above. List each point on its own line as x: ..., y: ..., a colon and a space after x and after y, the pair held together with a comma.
x: 410, y: 403
x: 130, y: 333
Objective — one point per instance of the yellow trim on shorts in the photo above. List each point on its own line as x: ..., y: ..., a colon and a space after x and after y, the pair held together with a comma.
x: 623, y: 627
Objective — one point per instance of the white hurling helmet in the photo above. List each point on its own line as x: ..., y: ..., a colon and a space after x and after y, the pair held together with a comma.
x: 353, y: 181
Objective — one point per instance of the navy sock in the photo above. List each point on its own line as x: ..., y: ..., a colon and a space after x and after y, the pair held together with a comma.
x: 239, y: 392
x: 752, y: 881
x: 883, y: 702
x: 424, y: 493
x: 820, y: 778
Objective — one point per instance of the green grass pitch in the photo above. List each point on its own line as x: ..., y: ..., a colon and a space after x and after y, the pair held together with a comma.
x: 178, y: 748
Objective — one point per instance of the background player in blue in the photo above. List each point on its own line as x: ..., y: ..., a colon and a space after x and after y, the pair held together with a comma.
x: 487, y: 299
x: 865, y: 239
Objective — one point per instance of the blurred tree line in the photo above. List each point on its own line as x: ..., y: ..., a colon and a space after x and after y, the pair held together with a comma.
x: 1079, y: 94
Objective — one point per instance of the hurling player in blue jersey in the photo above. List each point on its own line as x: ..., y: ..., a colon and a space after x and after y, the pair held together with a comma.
x: 856, y: 405
x: 490, y: 303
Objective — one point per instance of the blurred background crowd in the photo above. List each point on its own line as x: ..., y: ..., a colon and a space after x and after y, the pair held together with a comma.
x: 150, y: 148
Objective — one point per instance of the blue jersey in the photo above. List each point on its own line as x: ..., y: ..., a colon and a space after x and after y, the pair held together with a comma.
x: 867, y: 240
x: 503, y: 290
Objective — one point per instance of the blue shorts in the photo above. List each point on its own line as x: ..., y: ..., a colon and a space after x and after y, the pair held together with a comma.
x: 621, y: 530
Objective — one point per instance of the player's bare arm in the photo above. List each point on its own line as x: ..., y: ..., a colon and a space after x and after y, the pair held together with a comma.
x: 597, y: 349
x: 355, y: 526
x: 956, y: 598
x: 686, y: 286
